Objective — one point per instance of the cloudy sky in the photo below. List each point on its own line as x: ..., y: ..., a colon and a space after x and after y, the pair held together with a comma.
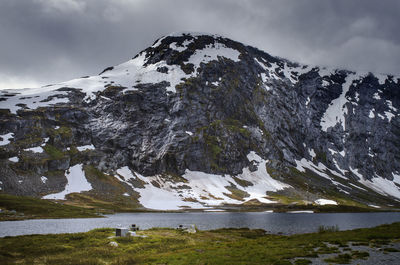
x: 49, y: 41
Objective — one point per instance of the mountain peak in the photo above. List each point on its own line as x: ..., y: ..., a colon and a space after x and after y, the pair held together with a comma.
x: 190, y: 34
x: 187, y: 44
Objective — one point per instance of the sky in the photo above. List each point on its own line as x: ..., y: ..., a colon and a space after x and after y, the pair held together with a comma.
x: 50, y: 41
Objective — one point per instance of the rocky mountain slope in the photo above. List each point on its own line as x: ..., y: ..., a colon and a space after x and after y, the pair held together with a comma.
x: 200, y: 120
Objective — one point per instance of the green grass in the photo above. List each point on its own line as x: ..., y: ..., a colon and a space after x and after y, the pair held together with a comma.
x: 391, y: 250
x: 170, y: 246
x: 285, y: 199
x: 236, y: 193
x: 53, y: 152
x: 341, y: 259
x: 64, y: 131
x: 93, y: 171
x: 347, y: 257
x: 38, y: 208
x: 302, y: 262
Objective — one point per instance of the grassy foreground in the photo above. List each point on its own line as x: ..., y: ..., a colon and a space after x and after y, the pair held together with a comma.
x: 169, y: 246
x: 19, y: 208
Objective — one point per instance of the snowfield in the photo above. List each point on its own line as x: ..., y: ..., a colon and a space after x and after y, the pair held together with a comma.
x: 203, y: 190
x: 336, y: 110
x: 378, y: 184
x: 382, y: 186
x: 32, y: 98
x: 85, y: 147
x: 36, y: 149
x: 76, y: 183
x: 325, y: 202
x: 14, y: 159
x: 6, y: 138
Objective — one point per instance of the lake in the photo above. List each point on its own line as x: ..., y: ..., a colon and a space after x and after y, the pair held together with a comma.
x: 286, y: 223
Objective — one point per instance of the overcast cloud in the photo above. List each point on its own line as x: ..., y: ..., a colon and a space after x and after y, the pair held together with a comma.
x: 49, y: 41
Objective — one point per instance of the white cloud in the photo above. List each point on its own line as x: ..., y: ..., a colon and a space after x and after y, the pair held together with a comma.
x: 63, y: 6
x: 12, y: 82
x: 360, y: 53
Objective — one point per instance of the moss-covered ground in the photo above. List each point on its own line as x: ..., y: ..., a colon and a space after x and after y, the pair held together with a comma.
x: 170, y: 246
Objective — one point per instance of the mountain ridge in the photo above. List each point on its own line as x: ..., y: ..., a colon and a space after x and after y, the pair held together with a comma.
x: 196, y: 107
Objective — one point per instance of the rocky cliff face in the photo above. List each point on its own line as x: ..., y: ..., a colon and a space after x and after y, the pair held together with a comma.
x: 198, y: 120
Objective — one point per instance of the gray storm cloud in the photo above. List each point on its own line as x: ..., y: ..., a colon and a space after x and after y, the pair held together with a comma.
x: 49, y: 41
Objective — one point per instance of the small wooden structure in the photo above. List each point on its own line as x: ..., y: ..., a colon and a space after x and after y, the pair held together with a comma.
x: 121, y: 231
x: 134, y: 228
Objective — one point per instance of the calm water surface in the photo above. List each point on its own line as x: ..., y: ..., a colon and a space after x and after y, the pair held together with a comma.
x: 287, y: 223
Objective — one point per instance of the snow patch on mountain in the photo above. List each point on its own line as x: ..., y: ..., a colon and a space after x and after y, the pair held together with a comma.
x: 76, y: 183
x: 396, y: 178
x: 379, y: 184
x: 157, y: 198
x: 319, y: 169
x: 287, y: 72
x: 312, y: 153
x: 212, y: 52
x: 36, y: 149
x: 270, y: 71
x: 85, y: 147
x: 31, y: 98
x: 371, y: 113
x: 43, y: 179
x: 389, y: 104
x: 6, y: 138
x: 355, y: 172
x: 376, y: 96
x: 322, y: 170
x: 382, y: 186
x: 262, y: 181
x: 14, y: 159
x: 358, y: 187
x: 389, y: 115
x: 124, y: 174
x: 336, y: 109
x: 203, y: 189
x: 182, y: 47
x: 325, y: 202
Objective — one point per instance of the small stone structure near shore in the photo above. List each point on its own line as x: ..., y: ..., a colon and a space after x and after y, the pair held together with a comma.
x: 187, y: 228
x: 121, y: 231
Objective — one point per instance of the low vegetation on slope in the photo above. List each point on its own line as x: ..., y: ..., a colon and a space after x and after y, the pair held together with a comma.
x: 223, y: 246
x: 17, y: 208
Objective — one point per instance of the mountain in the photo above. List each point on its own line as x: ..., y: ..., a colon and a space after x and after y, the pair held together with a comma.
x: 199, y: 120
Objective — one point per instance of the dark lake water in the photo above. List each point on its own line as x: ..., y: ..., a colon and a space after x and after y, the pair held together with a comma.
x: 287, y: 223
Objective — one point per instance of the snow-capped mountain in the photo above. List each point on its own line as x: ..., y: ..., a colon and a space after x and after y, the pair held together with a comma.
x: 200, y: 120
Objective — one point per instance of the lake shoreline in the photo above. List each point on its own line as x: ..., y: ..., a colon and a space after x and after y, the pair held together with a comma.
x: 295, y: 222
x: 16, y: 216
x: 16, y: 208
